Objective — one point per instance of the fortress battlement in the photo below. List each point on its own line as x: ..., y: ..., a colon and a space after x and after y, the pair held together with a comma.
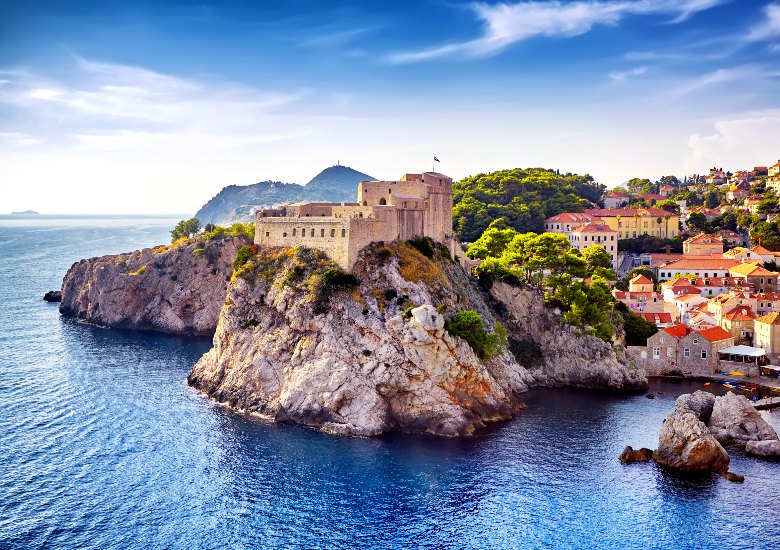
x: 417, y: 205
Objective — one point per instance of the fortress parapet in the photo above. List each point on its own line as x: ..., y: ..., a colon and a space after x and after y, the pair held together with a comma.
x: 417, y: 205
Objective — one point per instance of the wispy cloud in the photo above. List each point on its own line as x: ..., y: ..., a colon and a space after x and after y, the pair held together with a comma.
x: 507, y: 24
x: 753, y: 73
x: 622, y: 76
x: 770, y: 27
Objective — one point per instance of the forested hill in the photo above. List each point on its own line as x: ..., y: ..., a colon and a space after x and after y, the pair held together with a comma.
x: 525, y: 197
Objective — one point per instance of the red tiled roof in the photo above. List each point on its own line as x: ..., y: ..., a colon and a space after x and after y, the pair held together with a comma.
x: 704, y: 238
x: 657, y: 318
x: 702, y: 263
x: 570, y: 217
x: 594, y: 228
x: 679, y: 331
x: 761, y: 250
x: 740, y: 313
x: 715, y: 334
x: 640, y: 279
x: 625, y: 212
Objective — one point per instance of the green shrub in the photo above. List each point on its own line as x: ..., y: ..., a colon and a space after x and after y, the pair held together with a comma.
x: 335, y: 277
x: 250, y: 323
x: 243, y: 230
x: 407, y: 313
x: 527, y: 352
x: 244, y: 254
x: 467, y: 324
x: 294, y: 275
x: 197, y: 252
x: 424, y: 244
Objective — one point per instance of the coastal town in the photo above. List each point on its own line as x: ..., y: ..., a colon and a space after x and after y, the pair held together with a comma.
x: 715, y: 303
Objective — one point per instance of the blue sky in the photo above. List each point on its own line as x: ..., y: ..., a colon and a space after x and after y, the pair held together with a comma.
x: 153, y: 107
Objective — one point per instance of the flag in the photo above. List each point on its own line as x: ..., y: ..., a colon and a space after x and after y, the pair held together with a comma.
x: 435, y: 159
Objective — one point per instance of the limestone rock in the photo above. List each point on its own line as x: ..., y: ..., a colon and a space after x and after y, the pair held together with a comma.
x: 735, y: 421
x: 768, y: 448
x: 698, y: 402
x: 564, y: 357
x: 349, y: 362
x: 178, y: 291
x: 731, y: 476
x: 686, y: 444
x: 629, y: 455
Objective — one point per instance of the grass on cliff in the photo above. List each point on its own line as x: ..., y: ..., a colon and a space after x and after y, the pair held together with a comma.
x: 417, y: 267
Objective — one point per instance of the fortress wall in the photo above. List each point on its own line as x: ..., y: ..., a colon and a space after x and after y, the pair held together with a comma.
x: 332, y: 236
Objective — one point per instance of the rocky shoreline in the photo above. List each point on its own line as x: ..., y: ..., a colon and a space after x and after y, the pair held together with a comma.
x: 359, y: 360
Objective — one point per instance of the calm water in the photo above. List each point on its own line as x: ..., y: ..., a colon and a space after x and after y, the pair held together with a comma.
x: 105, y: 446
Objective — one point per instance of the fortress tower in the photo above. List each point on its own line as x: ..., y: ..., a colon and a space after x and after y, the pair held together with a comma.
x: 417, y: 205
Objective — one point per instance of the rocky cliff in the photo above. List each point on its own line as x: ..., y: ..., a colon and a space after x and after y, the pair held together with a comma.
x: 557, y: 354
x: 177, y: 290
x: 362, y: 360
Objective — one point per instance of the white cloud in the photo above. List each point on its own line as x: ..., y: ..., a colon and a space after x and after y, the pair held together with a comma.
x: 770, y: 27
x: 740, y: 143
x: 744, y: 73
x: 507, y: 24
x: 622, y: 76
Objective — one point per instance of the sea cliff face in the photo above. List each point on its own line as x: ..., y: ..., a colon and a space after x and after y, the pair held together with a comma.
x: 176, y: 290
x: 350, y: 361
x: 559, y: 354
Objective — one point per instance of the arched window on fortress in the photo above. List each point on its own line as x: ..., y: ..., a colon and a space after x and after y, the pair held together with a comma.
x: 382, y: 201
x: 390, y: 191
x: 332, y: 232
x: 365, y: 203
x: 322, y: 232
x: 312, y: 232
x: 343, y: 232
x: 361, y: 214
x: 284, y: 234
x: 294, y: 231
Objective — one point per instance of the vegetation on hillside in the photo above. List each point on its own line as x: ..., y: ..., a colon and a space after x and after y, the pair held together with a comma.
x: 523, y: 197
x: 548, y: 262
x: 468, y: 325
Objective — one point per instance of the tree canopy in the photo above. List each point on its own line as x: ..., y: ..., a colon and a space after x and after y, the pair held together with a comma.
x: 523, y: 197
x: 185, y: 228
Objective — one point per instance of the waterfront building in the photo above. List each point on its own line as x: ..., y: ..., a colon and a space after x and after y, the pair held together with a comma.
x: 767, y: 334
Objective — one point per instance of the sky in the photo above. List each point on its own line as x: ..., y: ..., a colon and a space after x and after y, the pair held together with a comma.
x: 153, y: 107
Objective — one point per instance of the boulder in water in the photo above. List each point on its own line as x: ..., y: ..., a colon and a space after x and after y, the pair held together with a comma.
x: 765, y: 449
x: 735, y: 421
x: 686, y: 444
x: 629, y: 455
x: 53, y: 296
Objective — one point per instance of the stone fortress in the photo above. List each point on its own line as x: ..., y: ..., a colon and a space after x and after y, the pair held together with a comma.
x: 417, y: 205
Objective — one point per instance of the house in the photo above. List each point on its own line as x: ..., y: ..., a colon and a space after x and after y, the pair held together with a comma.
x: 759, y: 171
x: 682, y: 305
x: 650, y: 302
x: 714, y: 286
x: 703, y: 245
x: 739, y: 323
x: 717, y: 175
x: 632, y: 222
x: 764, y: 254
x: 759, y: 277
x: 730, y: 238
x: 595, y: 233
x: 678, y: 287
x: 566, y: 222
x: 700, y: 267
x: 640, y: 283
x: 681, y: 350
x: 651, y: 198
x: 774, y: 170
x: 615, y: 198
x: 666, y: 190
x: 767, y: 334
x: 767, y: 302
x: 738, y: 192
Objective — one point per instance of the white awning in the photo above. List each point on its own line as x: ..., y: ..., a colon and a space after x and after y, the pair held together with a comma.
x: 747, y: 351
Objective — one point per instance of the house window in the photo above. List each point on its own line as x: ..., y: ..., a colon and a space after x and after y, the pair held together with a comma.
x: 668, y: 352
x: 687, y: 352
x: 295, y: 231
x: 332, y: 232
x: 284, y: 234
x: 656, y: 353
x: 695, y: 340
x: 704, y: 354
x: 267, y: 234
x: 322, y: 232
x: 343, y: 232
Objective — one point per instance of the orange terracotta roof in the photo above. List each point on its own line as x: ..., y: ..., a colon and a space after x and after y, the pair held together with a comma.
x: 715, y: 334
x: 594, y: 228
x: 570, y: 217
x: 704, y: 238
x: 655, y: 317
x: 740, y: 313
x: 678, y: 331
x: 761, y: 250
x: 626, y: 212
x: 640, y: 279
x: 769, y: 319
x: 702, y: 263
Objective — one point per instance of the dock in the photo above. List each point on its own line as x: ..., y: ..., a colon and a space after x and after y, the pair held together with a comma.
x: 766, y: 404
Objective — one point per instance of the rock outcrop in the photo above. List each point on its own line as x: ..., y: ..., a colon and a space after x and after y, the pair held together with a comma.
x: 764, y: 449
x: 686, y: 444
x: 53, y: 296
x: 630, y: 455
x: 735, y: 421
x: 560, y: 354
x: 358, y: 361
x: 177, y: 290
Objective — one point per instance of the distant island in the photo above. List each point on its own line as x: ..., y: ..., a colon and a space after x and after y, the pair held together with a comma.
x: 26, y: 213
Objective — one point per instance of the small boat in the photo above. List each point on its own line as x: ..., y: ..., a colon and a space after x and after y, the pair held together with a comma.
x: 650, y: 396
x: 707, y: 383
x: 736, y: 373
x: 730, y: 385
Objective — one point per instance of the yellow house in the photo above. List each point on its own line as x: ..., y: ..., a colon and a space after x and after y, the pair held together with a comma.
x: 633, y: 222
x: 767, y: 334
x: 703, y: 245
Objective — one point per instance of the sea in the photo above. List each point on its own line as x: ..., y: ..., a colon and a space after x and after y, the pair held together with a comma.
x: 104, y: 445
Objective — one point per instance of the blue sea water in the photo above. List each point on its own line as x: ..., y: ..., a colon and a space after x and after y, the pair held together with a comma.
x: 103, y: 445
